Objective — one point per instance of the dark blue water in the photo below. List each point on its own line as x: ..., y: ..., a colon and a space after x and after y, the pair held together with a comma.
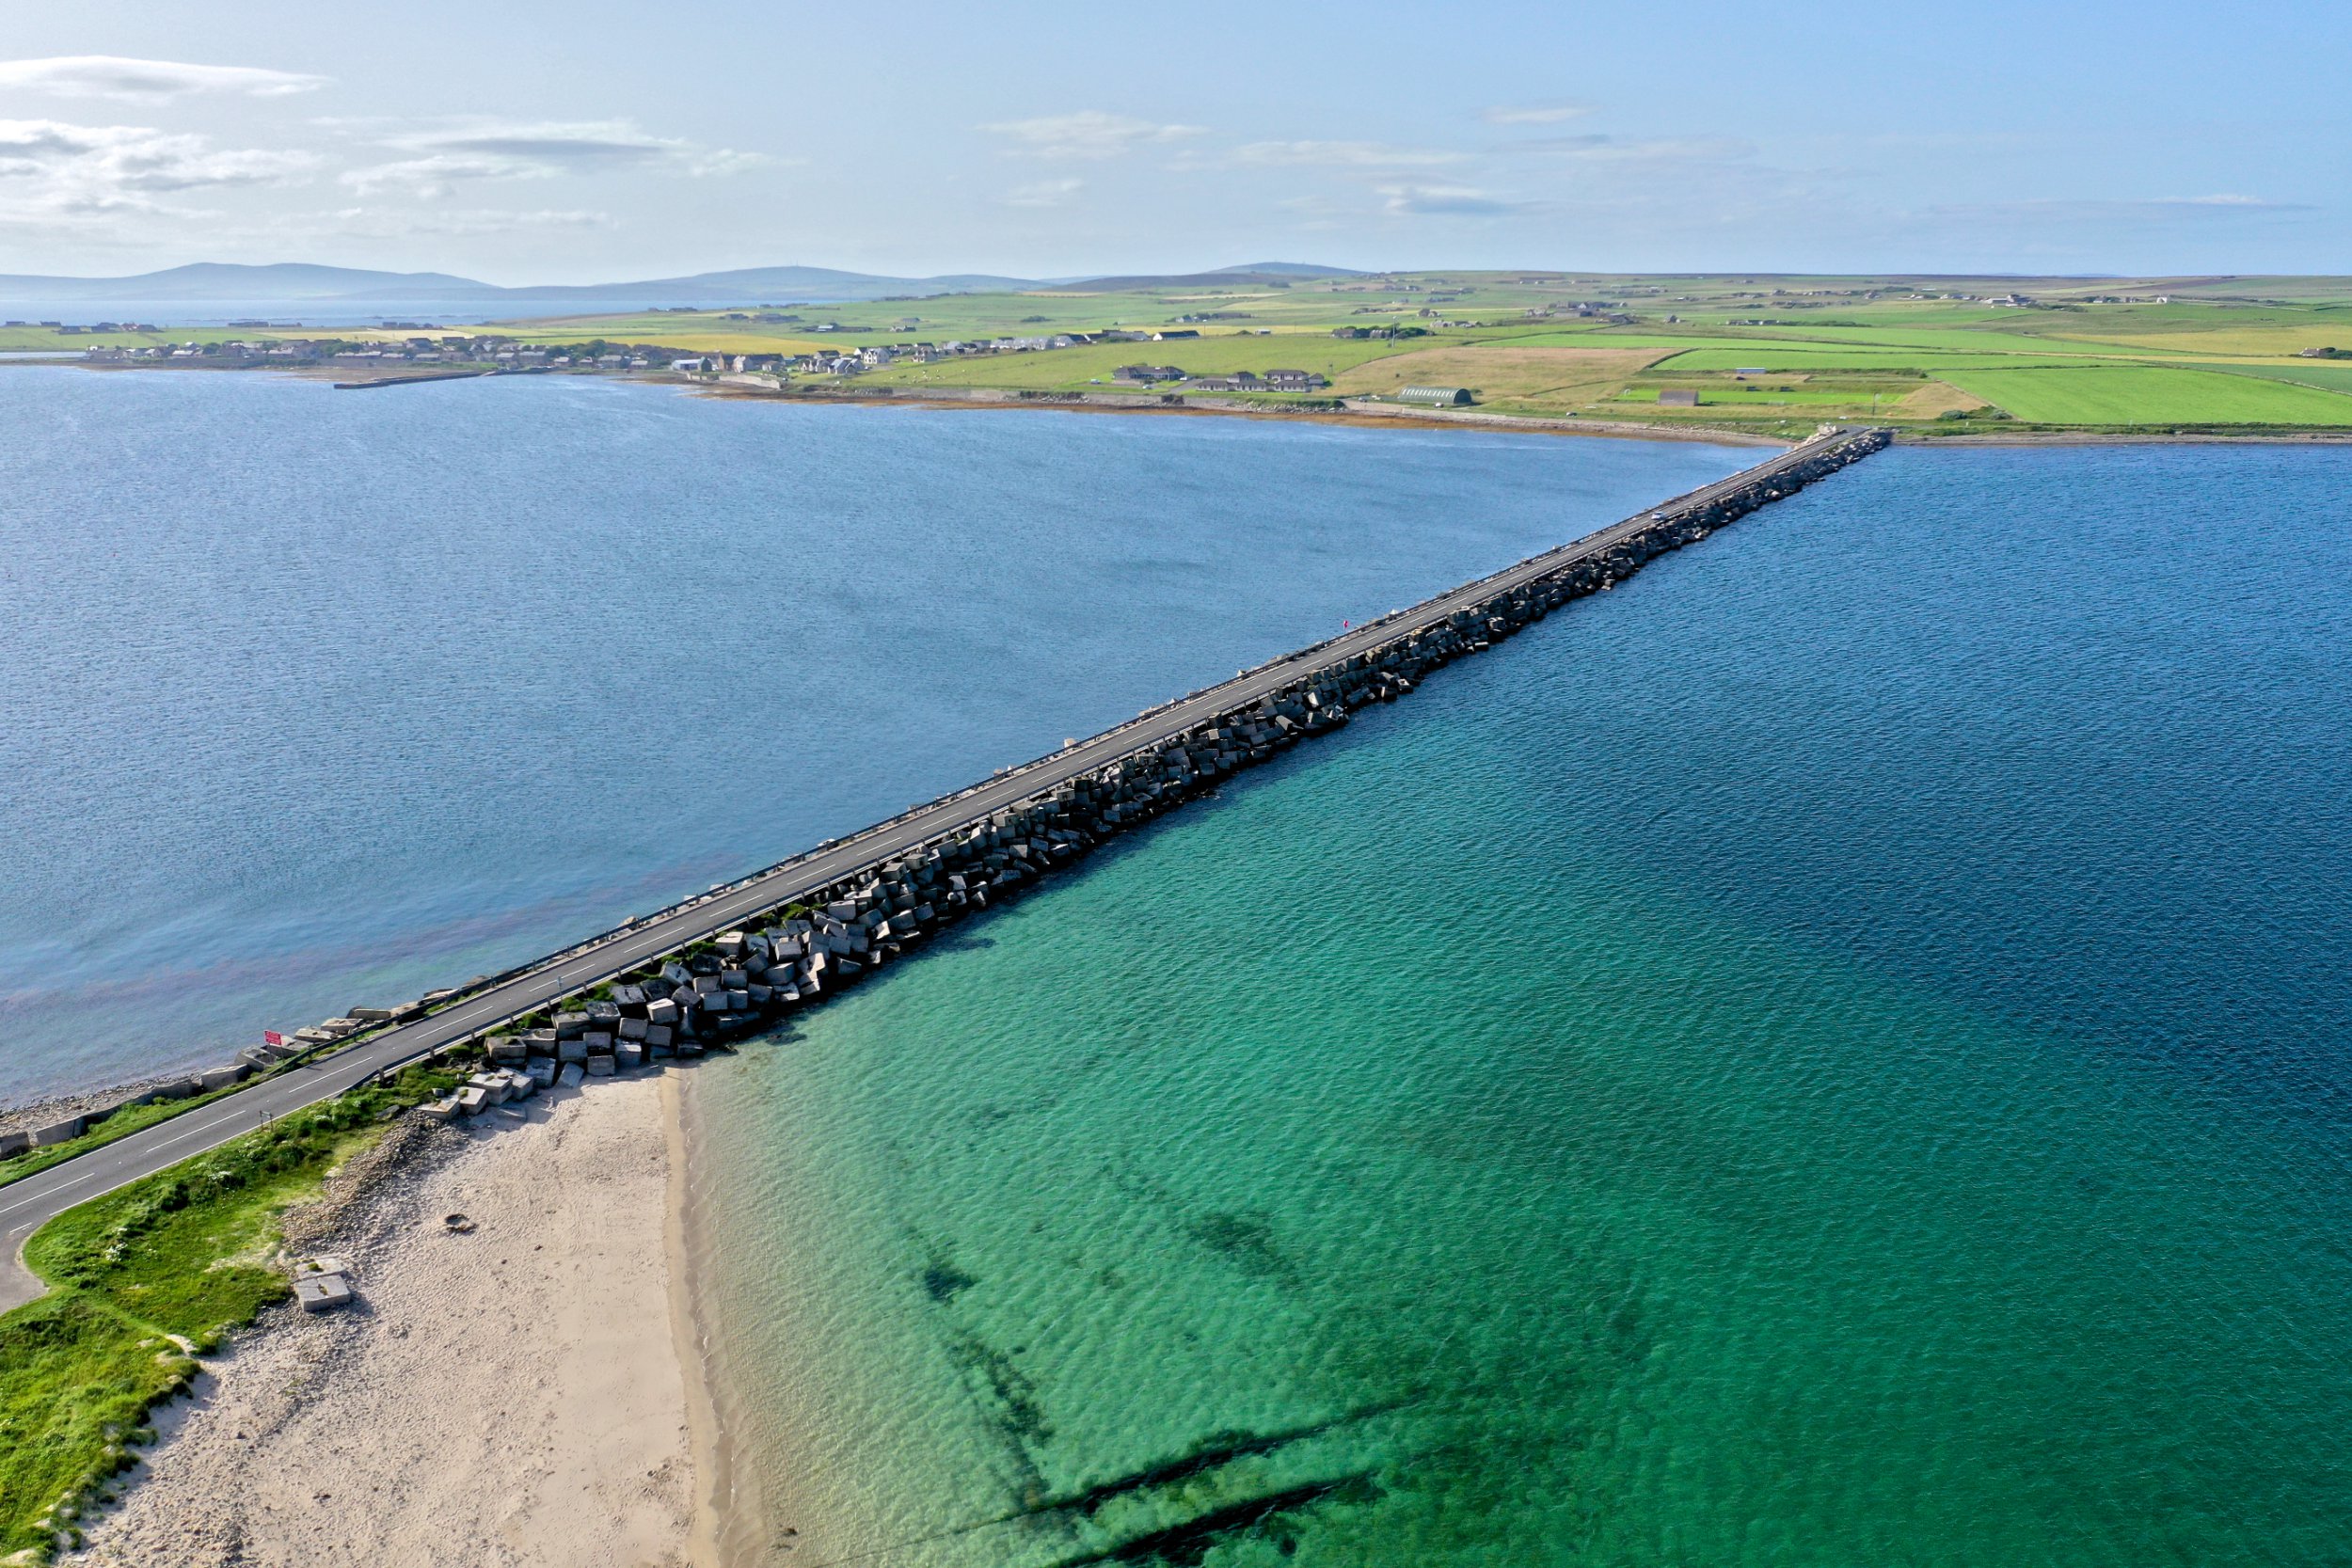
x: 1832, y: 1054
x: 311, y: 699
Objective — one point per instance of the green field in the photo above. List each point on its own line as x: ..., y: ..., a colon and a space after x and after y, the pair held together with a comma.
x: 1929, y: 353
x: 2127, y: 395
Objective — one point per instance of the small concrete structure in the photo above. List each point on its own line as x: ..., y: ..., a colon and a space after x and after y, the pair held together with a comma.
x: 323, y: 1293
x: 58, y: 1132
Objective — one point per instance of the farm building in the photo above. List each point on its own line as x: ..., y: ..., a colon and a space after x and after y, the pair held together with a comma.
x: 1444, y: 397
x: 1677, y: 397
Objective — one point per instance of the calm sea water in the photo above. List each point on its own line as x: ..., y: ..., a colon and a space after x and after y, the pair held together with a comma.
x: 311, y: 699
x: 1836, y: 1053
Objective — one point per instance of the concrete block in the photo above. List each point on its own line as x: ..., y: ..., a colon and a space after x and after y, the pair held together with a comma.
x: 600, y: 1067
x: 14, y: 1144
x: 540, y: 1041
x: 492, y: 1085
x: 324, y: 1293
x: 221, y: 1077
x: 509, y: 1047
x: 628, y: 1055
x: 632, y: 1029
x: 657, y: 1033
x: 543, y: 1071
x: 570, y: 1025
x: 602, y: 1015
x: 572, y: 1076
x: 470, y: 1099
x: 571, y: 1051
x: 58, y: 1132
x: 598, y: 1043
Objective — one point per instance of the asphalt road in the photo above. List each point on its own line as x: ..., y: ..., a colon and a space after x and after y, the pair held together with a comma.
x: 26, y: 1205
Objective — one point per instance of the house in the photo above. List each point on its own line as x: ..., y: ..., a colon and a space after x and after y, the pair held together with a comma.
x: 1166, y: 333
x: 1442, y: 397
x: 1677, y: 397
x: 1294, y: 381
x: 1241, y: 381
x: 1143, y: 376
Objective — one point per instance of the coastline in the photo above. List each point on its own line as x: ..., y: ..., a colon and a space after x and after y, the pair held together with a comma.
x: 500, y: 1396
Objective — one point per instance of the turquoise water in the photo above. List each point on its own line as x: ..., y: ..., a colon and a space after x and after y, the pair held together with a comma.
x: 311, y: 700
x: 1833, y: 1054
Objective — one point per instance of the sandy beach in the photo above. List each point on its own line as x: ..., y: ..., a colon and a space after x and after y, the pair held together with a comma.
x: 515, y: 1394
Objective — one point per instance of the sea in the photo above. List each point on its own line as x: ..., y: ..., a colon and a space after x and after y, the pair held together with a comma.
x: 1834, y: 1052
x: 315, y: 699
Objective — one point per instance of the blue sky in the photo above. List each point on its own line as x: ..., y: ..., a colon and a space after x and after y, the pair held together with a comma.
x: 526, y: 141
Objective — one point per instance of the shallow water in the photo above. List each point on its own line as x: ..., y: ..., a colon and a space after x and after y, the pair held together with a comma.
x: 314, y: 700
x: 1832, y: 1053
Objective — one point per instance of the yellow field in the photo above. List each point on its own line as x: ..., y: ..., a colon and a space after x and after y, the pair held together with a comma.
x: 1550, y: 378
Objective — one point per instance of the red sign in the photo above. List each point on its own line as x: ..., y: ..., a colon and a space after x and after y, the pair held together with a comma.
x: 271, y: 1036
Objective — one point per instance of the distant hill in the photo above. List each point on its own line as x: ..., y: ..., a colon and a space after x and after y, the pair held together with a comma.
x: 209, y: 281
x: 219, y: 282
x: 1256, y: 272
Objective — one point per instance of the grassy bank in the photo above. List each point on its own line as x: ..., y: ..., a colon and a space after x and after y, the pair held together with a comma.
x: 140, y: 1281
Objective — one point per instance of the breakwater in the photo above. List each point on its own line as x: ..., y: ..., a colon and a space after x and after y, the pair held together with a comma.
x: 830, y: 935
x: 1035, y: 818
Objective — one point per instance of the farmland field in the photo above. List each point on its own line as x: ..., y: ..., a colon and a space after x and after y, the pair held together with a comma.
x: 2120, y: 395
x: 1935, y: 354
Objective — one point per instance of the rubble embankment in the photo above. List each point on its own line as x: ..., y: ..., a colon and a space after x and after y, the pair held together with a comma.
x: 832, y: 936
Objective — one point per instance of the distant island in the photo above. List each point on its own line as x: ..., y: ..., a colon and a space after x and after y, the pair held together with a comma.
x: 1755, y: 353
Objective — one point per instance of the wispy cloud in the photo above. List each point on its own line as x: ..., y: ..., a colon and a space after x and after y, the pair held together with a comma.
x: 407, y: 221
x: 1087, y: 134
x: 47, y: 165
x: 1632, y: 149
x: 1533, y: 114
x: 113, y: 76
x: 2192, y: 207
x: 490, y: 150
x: 1342, y: 154
x: 1449, y: 202
x: 1044, y: 193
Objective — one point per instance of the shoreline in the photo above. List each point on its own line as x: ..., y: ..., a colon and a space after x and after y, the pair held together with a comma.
x: 1359, y: 415
x: 498, y: 1396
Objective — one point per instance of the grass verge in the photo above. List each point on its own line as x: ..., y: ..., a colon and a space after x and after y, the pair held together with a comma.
x: 141, y: 1281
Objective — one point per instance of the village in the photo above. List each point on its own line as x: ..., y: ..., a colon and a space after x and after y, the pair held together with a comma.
x: 496, y: 353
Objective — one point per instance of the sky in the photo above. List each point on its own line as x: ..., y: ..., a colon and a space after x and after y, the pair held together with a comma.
x: 532, y: 142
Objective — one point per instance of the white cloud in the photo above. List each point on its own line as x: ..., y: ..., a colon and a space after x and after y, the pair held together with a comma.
x: 490, y: 150
x: 1044, y: 193
x: 113, y: 76
x: 1341, y: 154
x: 47, y: 165
x: 1087, y: 134
x: 1449, y: 202
x: 1640, y: 150
x: 1533, y: 114
x: 408, y: 222
x: 2126, y: 207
